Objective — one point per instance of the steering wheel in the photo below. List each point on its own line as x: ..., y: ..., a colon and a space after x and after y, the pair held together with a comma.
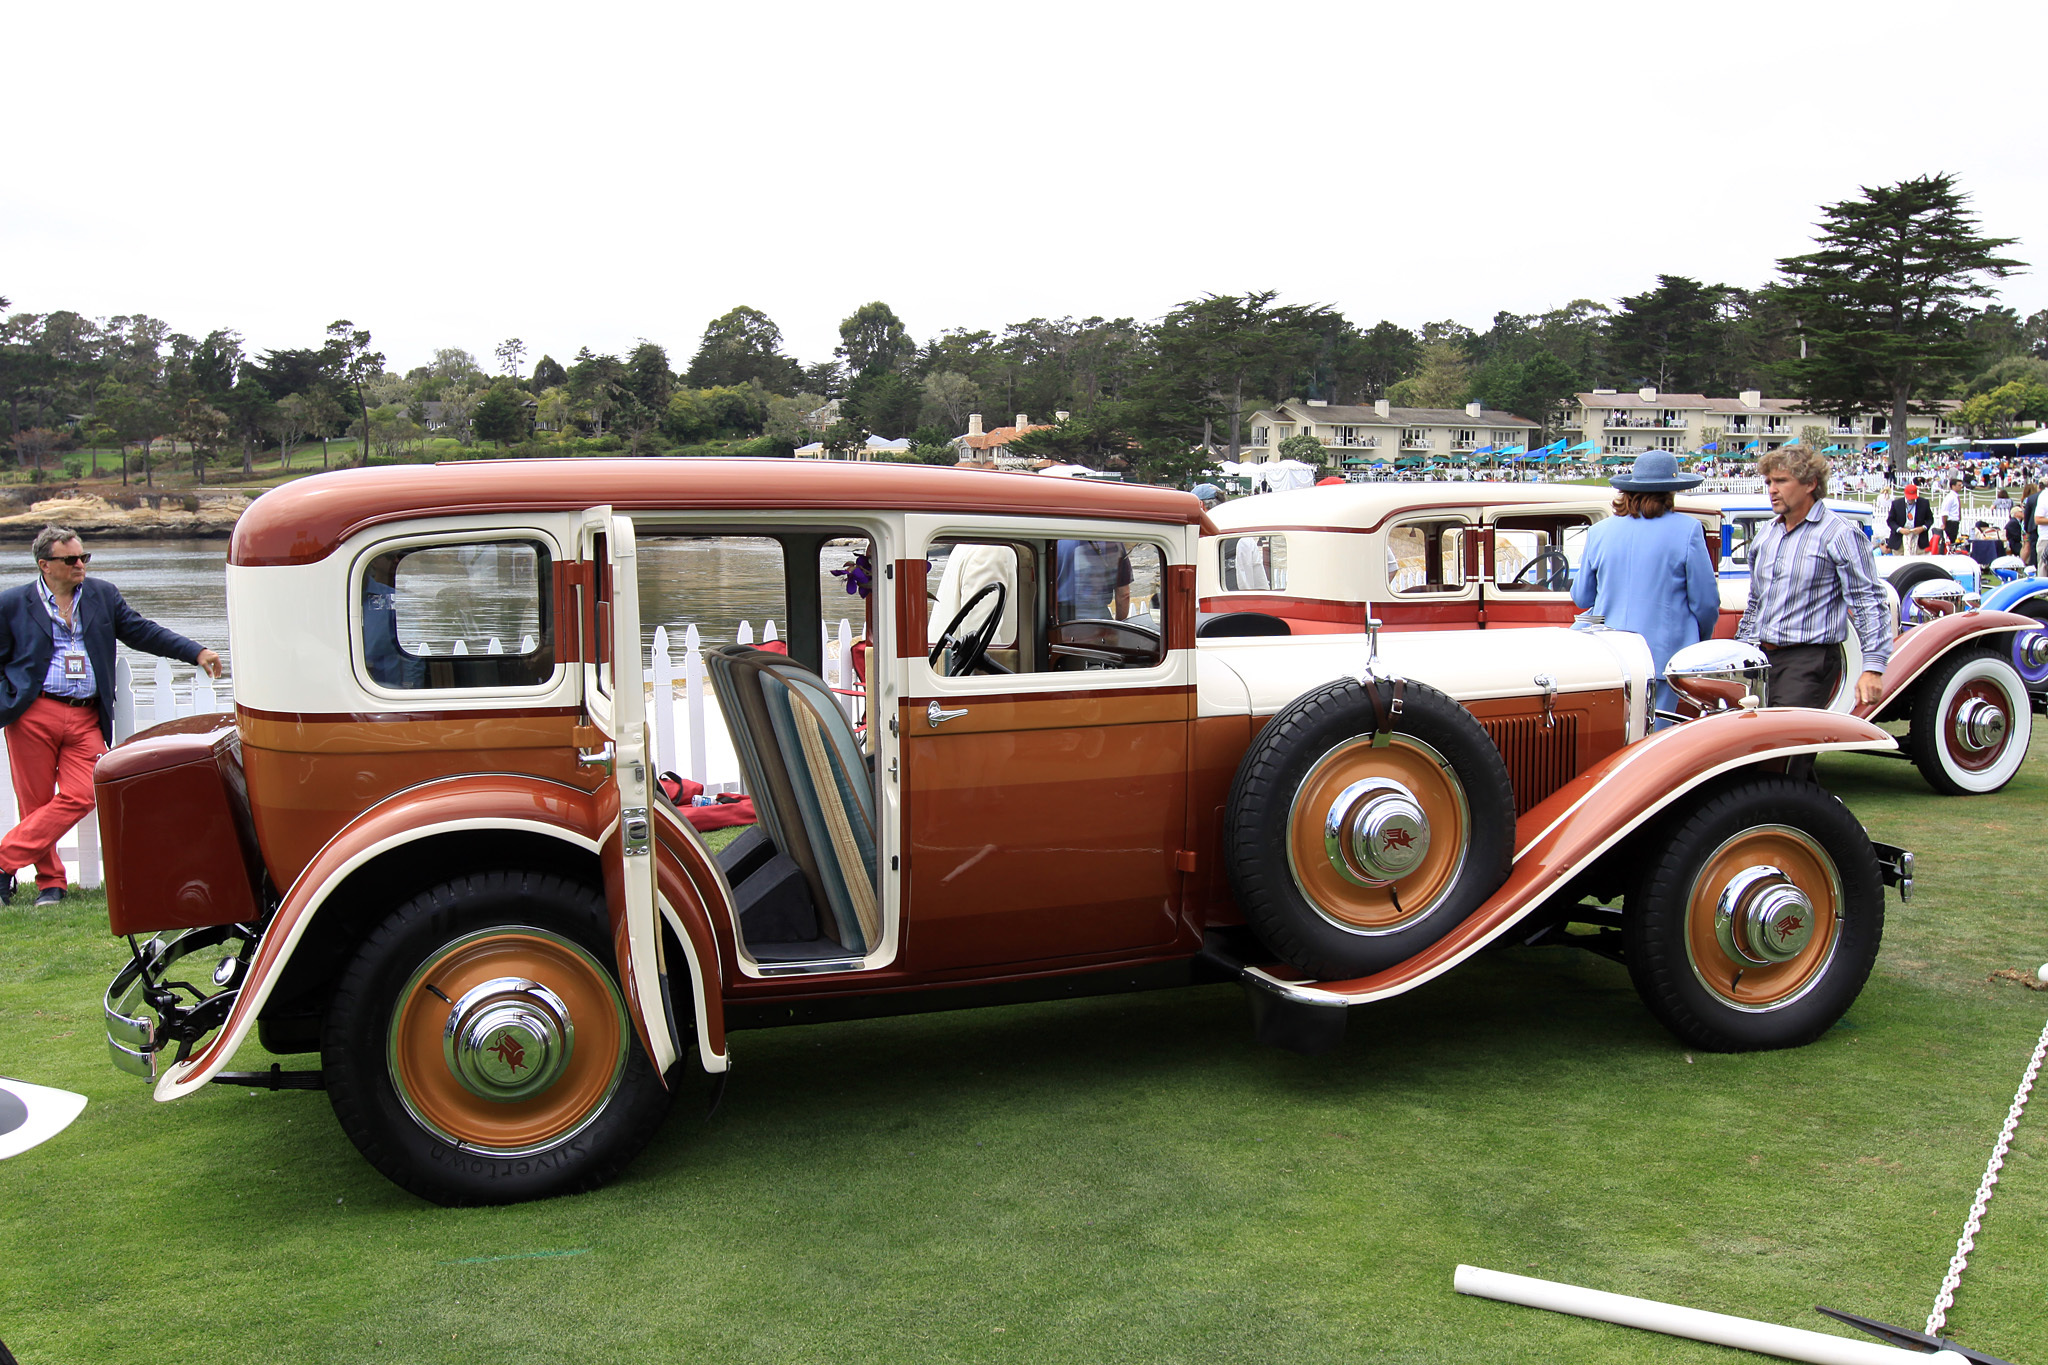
x: 965, y: 653
x: 1555, y: 571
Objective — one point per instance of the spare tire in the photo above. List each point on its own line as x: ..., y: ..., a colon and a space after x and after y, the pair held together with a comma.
x: 1357, y: 836
x: 1905, y: 576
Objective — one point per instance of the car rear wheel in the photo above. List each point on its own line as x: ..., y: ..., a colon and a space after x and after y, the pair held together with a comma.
x: 2030, y: 647
x: 1758, y: 918
x: 1354, y: 839
x: 478, y: 1050
x: 1971, y: 723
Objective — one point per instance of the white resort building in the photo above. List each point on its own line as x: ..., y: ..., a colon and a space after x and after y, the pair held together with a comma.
x: 1382, y: 433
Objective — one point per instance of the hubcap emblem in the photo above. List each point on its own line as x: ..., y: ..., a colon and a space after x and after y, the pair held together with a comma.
x: 1763, y: 918
x: 508, y: 1039
x: 1375, y: 832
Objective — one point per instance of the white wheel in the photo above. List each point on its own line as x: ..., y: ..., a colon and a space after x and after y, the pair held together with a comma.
x: 1971, y: 723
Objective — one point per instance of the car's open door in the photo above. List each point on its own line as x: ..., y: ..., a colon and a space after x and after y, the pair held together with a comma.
x: 615, y: 739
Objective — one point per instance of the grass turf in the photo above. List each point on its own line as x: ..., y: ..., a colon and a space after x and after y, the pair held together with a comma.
x: 1109, y: 1179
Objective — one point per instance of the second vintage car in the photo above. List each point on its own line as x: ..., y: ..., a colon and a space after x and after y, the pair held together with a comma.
x: 1487, y: 556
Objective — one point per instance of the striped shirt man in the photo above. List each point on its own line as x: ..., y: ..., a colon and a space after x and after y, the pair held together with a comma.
x: 1806, y: 581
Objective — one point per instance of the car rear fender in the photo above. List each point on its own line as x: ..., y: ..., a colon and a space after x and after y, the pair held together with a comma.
x: 1576, y: 825
x: 695, y: 897
x: 2007, y: 596
x: 498, y: 803
x: 1924, y: 645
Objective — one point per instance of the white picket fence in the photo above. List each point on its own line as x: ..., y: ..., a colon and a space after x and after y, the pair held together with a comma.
x: 690, y: 736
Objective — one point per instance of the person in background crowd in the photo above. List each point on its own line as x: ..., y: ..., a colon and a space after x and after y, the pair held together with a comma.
x: 1810, y: 572
x: 2030, y: 493
x: 2001, y: 506
x: 1952, y: 512
x: 1209, y: 493
x: 57, y: 635
x: 1910, y: 519
x: 1650, y: 573
x: 2014, y: 533
x: 1984, y: 546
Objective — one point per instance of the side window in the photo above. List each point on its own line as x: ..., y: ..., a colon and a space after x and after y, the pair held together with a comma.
x: 459, y: 616
x: 1745, y: 535
x: 1063, y: 605
x: 1254, y: 563
x: 1537, y: 553
x: 1425, y: 557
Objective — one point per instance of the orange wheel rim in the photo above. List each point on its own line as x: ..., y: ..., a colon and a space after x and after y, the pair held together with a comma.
x: 1404, y: 770
x: 1734, y: 976
x: 583, y: 1065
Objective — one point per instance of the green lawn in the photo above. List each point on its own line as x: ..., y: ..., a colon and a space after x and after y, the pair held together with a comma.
x: 1111, y: 1179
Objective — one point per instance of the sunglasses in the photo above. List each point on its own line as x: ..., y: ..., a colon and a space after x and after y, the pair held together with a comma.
x: 72, y: 561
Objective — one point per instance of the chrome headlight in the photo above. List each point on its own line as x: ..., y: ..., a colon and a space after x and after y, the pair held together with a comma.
x: 1716, y: 675
x: 1937, y: 597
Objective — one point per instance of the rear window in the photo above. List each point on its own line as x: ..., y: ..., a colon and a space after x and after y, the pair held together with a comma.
x: 471, y: 615
x: 1254, y: 563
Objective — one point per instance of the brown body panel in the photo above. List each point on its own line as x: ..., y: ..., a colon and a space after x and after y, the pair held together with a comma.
x: 1041, y: 826
x: 310, y: 776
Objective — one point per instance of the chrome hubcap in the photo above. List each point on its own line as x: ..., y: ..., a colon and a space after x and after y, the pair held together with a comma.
x: 2034, y: 648
x: 508, y: 1039
x: 1375, y: 832
x: 1980, y: 725
x: 1763, y: 918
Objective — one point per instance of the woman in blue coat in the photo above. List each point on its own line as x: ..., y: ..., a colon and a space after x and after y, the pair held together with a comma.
x: 1647, y: 569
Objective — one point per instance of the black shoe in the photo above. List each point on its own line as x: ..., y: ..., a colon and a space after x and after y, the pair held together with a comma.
x: 6, y: 888
x: 49, y: 895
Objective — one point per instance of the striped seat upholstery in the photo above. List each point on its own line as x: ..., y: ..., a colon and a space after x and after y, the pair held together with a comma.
x: 809, y: 780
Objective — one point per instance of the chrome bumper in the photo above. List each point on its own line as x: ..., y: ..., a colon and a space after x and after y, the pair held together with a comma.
x: 144, y: 1013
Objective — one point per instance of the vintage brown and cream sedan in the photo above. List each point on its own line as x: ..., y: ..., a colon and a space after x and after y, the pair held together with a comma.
x: 1488, y: 556
x: 449, y: 873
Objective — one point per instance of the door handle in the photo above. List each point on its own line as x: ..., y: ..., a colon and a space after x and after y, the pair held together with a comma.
x: 935, y: 715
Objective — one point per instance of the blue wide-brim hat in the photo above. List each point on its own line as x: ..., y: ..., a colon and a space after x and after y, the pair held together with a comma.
x: 1655, y: 472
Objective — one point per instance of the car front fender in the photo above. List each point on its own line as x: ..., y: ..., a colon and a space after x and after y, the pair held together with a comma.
x: 1573, y: 827
x: 1921, y: 647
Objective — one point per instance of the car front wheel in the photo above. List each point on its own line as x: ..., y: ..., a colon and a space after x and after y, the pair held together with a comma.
x: 478, y: 1050
x: 1971, y: 723
x: 1758, y: 917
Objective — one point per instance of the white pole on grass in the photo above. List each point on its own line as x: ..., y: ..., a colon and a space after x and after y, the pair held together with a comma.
x: 1765, y: 1338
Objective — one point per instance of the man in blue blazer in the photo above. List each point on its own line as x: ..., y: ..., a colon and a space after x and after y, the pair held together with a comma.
x: 57, y: 635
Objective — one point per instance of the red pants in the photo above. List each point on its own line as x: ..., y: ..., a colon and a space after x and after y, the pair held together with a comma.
x: 51, y: 751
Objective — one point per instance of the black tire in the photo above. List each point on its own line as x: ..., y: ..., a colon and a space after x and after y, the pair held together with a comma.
x: 1957, y: 705
x: 1905, y: 576
x: 1304, y: 895
x: 490, y: 1136
x: 1713, y: 996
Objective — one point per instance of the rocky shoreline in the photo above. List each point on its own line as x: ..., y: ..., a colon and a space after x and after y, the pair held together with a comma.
x: 157, y: 516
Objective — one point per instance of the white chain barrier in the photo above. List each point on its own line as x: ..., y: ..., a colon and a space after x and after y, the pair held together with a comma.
x: 1968, y: 1242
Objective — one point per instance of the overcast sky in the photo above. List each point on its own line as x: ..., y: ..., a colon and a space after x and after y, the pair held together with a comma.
x: 594, y: 173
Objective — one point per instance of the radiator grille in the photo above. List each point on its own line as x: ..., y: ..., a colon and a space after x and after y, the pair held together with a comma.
x: 1540, y: 758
